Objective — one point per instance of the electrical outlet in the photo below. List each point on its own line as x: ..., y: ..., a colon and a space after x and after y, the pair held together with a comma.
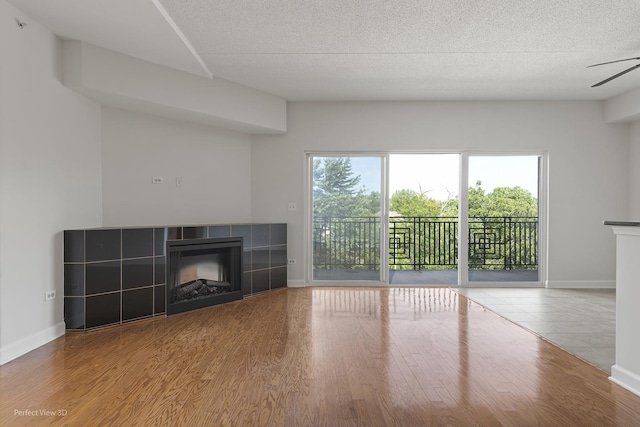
x: 49, y: 295
x: 157, y: 180
x: 292, y: 261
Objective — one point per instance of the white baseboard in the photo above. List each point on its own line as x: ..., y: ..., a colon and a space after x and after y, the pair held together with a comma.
x: 295, y: 284
x: 25, y: 345
x: 625, y: 379
x: 581, y: 284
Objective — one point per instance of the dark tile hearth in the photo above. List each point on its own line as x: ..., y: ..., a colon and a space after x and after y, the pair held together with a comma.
x: 137, y: 242
x: 102, y: 277
x: 116, y: 275
x: 102, y: 245
x: 102, y: 310
x: 137, y: 303
x: 137, y: 272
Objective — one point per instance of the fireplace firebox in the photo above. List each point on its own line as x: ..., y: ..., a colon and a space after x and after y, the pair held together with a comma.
x: 203, y: 272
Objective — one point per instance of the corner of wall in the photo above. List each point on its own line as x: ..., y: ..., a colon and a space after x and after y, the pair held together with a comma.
x: 16, y: 349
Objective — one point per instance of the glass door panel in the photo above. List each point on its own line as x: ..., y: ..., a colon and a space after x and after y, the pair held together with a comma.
x: 347, y: 212
x: 423, y: 218
x: 503, y: 218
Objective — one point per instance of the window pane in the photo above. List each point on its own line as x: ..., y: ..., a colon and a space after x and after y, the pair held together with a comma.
x: 503, y: 218
x: 346, y: 205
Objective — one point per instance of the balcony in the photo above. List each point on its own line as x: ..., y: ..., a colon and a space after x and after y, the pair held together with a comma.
x: 425, y: 249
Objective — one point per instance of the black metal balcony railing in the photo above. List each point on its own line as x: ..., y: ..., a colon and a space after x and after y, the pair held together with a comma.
x: 425, y: 243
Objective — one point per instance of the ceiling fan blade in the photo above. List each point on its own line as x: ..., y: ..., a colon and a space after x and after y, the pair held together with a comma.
x: 616, y: 76
x: 613, y: 62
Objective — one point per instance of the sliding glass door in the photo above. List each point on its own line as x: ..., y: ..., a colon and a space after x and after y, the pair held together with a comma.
x: 347, y: 212
x: 423, y: 218
x: 452, y: 219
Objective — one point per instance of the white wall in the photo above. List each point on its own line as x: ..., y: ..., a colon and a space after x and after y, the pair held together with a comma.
x: 213, y: 164
x: 121, y: 81
x: 588, y: 165
x: 634, y: 172
x: 50, y: 179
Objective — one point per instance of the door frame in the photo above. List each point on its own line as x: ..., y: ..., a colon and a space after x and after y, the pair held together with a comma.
x: 463, y: 245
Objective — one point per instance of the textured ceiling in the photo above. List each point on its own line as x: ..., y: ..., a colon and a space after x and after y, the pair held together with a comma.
x: 133, y: 27
x: 375, y: 49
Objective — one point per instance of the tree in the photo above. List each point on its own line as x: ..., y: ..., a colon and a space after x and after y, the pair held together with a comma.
x: 501, y: 202
x: 410, y: 203
x: 502, y: 224
x: 419, y: 215
x: 346, y: 217
x: 450, y: 206
x: 502, y: 228
x: 337, y: 191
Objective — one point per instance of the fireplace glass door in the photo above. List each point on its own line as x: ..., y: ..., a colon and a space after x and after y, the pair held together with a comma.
x: 203, y: 272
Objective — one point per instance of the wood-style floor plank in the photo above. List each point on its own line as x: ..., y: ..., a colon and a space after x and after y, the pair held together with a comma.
x: 314, y: 357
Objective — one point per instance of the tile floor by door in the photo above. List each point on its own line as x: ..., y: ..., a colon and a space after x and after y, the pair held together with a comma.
x: 581, y: 321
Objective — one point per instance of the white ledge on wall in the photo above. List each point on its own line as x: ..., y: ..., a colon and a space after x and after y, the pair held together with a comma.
x: 623, y: 108
x: 121, y: 81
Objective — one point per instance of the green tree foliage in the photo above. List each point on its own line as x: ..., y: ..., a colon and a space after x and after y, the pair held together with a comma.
x: 411, y: 203
x: 419, y: 217
x: 501, y: 223
x: 501, y: 202
x: 346, y: 224
x: 371, y: 204
x: 337, y: 191
x: 504, y: 214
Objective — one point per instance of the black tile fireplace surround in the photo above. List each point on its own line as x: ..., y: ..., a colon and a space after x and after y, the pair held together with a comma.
x: 116, y: 275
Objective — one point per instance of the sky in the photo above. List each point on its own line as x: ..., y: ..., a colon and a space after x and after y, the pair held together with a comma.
x: 437, y: 174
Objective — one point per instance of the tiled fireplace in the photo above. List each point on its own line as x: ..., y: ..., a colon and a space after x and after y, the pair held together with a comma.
x: 116, y: 275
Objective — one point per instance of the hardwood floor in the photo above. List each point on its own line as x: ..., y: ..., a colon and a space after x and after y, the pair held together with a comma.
x: 314, y: 357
